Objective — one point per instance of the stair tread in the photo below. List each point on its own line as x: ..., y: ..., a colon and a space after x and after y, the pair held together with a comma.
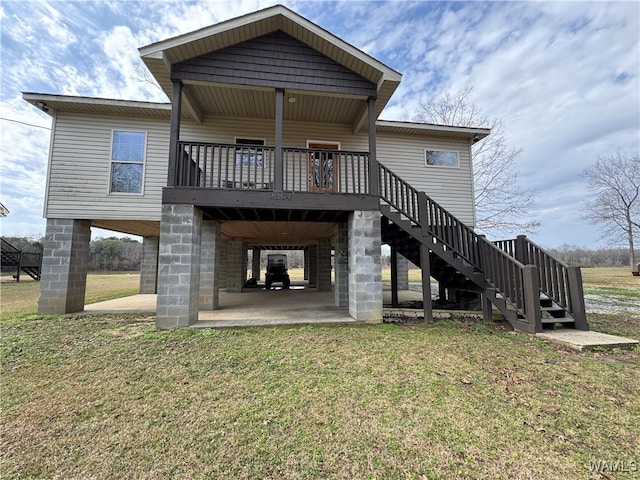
x: 558, y: 320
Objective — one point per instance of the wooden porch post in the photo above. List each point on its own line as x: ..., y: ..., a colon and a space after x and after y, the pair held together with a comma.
x: 174, y: 135
x: 425, y: 266
x: 278, y: 168
x: 521, y: 250
x: 576, y: 297
x: 394, y: 277
x: 531, y: 286
x: 374, y: 187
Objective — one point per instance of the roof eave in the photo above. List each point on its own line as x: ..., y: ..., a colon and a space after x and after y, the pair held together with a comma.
x: 473, y: 133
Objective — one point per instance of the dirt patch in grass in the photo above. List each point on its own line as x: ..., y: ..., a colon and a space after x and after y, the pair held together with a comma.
x: 112, y: 397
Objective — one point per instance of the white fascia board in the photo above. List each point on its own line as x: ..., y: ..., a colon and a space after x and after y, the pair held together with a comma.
x: 433, y: 128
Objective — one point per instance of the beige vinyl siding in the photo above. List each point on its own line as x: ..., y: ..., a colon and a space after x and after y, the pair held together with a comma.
x: 79, y: 175
x: 451, y: 187
x: 79, y: 172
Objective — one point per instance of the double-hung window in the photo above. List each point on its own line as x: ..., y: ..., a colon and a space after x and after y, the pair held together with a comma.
x: 441, y: 158
x: 127, y: 161
x: 249, y: 154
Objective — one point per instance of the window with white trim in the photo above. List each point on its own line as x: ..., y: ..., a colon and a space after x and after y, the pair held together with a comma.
x: 127, y: 161
x: 249, y: 154
x: 440, y: 158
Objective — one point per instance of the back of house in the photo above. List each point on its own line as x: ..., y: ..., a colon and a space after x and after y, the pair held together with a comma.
x: 271, y: 140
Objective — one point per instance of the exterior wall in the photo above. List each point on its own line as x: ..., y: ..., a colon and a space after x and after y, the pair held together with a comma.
x: 78, y: 181
x: 79, y: 172
x: 450, y: 187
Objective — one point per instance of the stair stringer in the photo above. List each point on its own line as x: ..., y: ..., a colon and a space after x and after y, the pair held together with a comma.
x: 469, y: 271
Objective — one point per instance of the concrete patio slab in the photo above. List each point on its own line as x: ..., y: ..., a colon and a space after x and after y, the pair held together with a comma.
x: 586, y: 341
x: 133, y: 304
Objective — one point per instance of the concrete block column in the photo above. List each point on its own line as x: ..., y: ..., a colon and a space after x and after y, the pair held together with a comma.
x: 255, y: 263
x: 341, y: 265
x: 179, y: 266
x: 235, y: 264
x: 402, y: 265
x: 312, y: 271
x: 324, y: 265
x: 209, y: 253
x: 64, y: 266
x: 149, y: 265
x: 365, y: 266
x: 306, y: 264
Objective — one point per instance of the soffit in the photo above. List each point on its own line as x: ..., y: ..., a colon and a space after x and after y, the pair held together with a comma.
x: 431, y: 130
x: 278, y: 233
x: 99, y: 106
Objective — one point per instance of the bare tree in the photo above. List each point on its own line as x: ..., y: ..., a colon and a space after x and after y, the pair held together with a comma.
x: 614, y: 201
x: 502, y: 205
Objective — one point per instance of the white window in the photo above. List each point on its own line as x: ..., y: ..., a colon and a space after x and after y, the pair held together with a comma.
x: 127, y: 161
x: 441, y: 158
x: 248, y: 154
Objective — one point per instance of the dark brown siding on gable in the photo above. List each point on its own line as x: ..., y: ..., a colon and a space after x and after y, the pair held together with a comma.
x: 275, y: 60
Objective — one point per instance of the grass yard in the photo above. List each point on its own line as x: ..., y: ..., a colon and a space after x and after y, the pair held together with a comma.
x: 109, y: 396
x: 20, y: 299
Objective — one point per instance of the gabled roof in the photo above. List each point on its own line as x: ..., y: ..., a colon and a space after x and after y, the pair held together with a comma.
x: 160, y: 55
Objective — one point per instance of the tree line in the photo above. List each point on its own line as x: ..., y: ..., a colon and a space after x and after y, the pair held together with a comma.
x: 105, y: 254
x: 125, y: 254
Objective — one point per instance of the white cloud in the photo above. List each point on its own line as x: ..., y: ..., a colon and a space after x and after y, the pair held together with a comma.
x: 562, y: 75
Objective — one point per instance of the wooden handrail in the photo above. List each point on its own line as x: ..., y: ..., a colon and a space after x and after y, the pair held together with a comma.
x: 503, y: 271
x: 559, y: 281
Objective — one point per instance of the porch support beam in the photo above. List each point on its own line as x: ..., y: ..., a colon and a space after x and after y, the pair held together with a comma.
x: 341, y: 265
x: 278, y: 169
x: 179, y: 266
x: 174, y: 133
x: 365, y: 266
x: 425, y: 265
x: 255, y: 263
x: 209, y: 264
x: 394, y: 277
x: 149, y: 265
x: 374, y: 187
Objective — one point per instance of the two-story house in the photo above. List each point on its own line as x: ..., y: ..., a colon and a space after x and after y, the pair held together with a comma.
x: 272, y: 139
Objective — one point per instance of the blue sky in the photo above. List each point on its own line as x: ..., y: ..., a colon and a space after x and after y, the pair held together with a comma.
x: 563, y: 76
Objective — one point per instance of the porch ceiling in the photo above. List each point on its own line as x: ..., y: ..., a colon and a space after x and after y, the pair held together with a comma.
x: 221, y: 100
x: 295, y: 234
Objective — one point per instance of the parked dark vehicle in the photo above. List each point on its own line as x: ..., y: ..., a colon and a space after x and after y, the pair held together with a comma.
x: 277, y: 270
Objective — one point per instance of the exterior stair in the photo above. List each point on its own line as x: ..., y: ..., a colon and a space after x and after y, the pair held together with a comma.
x: 532, y: 290
x: 27, y: 262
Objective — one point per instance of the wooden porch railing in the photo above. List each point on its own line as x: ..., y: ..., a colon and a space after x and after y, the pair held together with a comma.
x: 232, y: 166
x: 560, y: 282
x: 210, y: 165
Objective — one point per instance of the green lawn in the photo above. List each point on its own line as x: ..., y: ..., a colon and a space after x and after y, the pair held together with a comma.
x: 109, y: 396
